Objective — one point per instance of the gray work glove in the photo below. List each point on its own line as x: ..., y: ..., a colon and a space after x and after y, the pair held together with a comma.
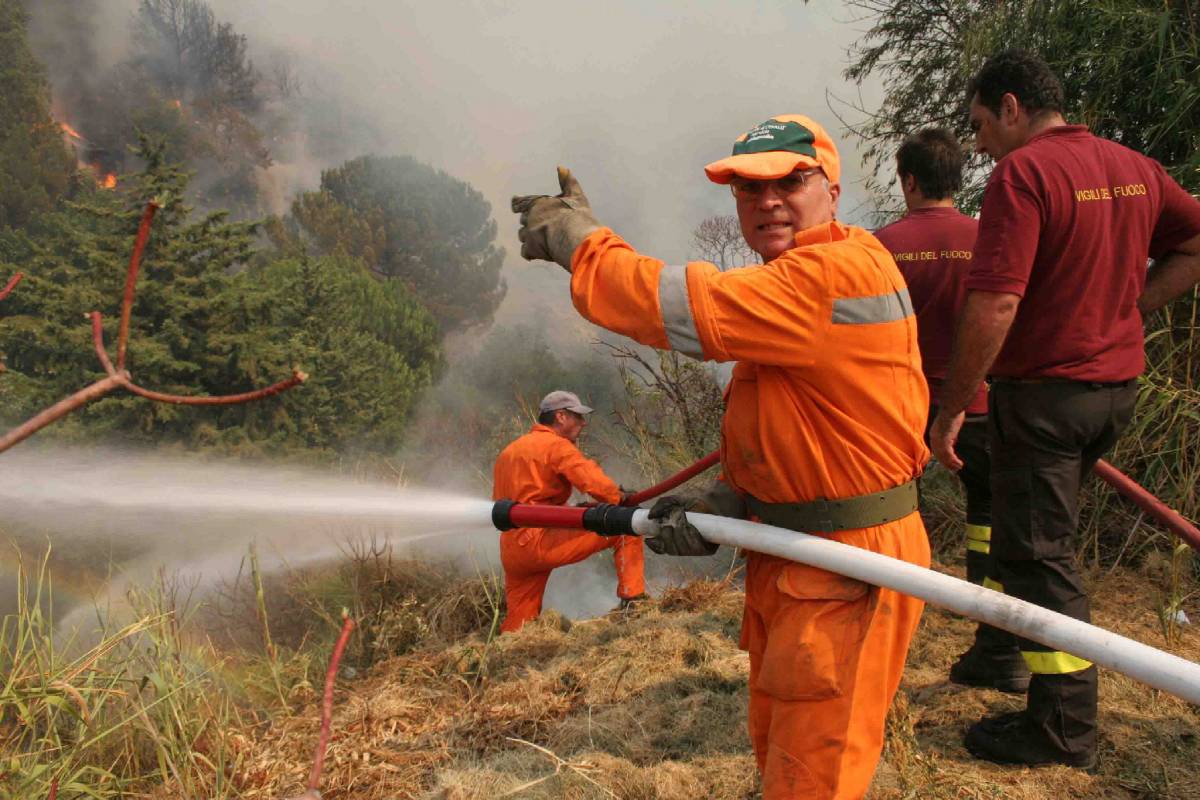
x: 678, y: 537
x: 552, y: 227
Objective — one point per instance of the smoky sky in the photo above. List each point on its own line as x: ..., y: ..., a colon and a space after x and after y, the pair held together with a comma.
x: 634, y: 97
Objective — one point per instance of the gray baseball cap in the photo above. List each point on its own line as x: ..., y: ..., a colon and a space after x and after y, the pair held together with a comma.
x: 563, y: 400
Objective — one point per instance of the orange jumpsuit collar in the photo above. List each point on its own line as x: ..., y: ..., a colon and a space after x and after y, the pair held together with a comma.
x: 826, y: 232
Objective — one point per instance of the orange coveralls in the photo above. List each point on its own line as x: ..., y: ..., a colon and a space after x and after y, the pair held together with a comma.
x: 540, y: 468
x: 827, y: 401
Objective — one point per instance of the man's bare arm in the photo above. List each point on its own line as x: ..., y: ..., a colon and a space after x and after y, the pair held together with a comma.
x: 1171, y: 276
x: 982, y: 329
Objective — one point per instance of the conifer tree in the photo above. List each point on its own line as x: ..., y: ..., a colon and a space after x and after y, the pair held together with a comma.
x: 206, y: 321
x: 416, y: 224
x: 36, y: 167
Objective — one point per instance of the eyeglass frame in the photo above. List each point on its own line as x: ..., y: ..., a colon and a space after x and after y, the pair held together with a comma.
x: 740, y: 192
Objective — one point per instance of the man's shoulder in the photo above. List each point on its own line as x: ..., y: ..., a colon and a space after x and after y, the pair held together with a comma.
x: 891, y: 229
x: 1047, y: 150
x: 942, y: 216
x: 533, y: 438
x: 863, y: 242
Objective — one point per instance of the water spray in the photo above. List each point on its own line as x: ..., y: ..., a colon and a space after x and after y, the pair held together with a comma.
x: 1149, y: 665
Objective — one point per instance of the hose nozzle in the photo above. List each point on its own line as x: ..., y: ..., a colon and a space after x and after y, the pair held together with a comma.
x: 604, y: 519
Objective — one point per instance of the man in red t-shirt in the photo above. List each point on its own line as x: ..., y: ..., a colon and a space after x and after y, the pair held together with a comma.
x: 933, y: 244
x: 1056, y: 293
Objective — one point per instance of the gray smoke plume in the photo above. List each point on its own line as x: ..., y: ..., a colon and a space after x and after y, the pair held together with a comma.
x: 634, y: 97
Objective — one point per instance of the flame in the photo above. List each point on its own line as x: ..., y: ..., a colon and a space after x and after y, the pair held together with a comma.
x: 105, y: 180
x: 67, y: 129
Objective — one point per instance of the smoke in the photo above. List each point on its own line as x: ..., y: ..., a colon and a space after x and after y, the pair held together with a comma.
x: 634, y: 97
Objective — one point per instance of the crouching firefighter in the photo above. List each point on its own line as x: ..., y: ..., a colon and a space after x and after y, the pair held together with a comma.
x: 822, y: 433
x: 542, y: 467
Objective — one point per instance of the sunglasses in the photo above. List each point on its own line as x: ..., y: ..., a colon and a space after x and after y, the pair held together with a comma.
x: 784, y: 187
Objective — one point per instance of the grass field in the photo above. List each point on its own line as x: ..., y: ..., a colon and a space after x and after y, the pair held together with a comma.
x: 652, y: 705
x: 218, y: 697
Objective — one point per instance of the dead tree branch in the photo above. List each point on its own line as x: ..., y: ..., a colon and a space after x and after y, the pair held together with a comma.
x: 12, y: 284
x: 117, y: 377
x: 135, y: 262
x: 6, y: 291
x: 314, y: 778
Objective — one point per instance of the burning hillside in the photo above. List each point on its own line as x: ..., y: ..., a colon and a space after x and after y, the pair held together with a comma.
x: 92, y: 160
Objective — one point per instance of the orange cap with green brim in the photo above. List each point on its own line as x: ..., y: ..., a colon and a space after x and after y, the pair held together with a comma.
x: 776, y: 148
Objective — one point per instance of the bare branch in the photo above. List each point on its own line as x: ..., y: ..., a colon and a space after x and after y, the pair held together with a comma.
x: 60, y: 410
x: 117, y: 376
x: 12, y: 284
x: 719, y: 240
x: 135, y: 261
x: 314, y: 778
x: 297, y: 378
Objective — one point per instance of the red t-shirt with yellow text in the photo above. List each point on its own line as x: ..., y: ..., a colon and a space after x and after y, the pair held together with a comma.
x: 933, y: 248
x: 1068, y: 221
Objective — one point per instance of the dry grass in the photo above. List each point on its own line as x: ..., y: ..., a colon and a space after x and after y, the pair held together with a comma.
x: 652, y: 704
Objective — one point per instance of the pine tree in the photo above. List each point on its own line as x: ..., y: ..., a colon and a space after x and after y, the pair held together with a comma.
x: 210, y: 318
x: 413, y: 223
x: 36, y: 167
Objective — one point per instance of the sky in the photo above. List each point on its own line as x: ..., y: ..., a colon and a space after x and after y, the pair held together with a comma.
x: 634, y: 97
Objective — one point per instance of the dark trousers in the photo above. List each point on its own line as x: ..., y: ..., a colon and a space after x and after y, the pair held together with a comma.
x: 976, y: 476
x: 1045, y: 438
x: 973, y: 448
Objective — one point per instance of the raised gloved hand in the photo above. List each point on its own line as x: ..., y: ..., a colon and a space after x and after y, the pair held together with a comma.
x: 676, y: 535
x: 552, y: 227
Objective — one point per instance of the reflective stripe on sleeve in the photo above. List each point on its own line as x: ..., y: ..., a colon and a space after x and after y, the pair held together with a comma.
x: 979, y: 538
x: 677, y: 311
x: 1054, y: 662
x: 890, y: 307
x: 995, y: 586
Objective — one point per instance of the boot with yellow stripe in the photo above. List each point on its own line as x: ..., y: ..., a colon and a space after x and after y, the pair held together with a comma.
x: 993, y: 661
x: 1058, y: 727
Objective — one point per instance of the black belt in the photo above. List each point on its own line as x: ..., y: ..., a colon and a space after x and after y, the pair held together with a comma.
x: 1092, y: 384
x: 843, y: 514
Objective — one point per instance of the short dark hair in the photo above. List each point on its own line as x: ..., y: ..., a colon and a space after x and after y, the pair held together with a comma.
x: 935, y: 159
x: 547, y: 417
x: 1022, y: 74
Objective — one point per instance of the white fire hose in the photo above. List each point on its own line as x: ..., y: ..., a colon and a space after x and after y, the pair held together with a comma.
x: 1149, y: 665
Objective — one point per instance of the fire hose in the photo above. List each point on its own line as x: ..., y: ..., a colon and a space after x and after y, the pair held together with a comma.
x: 1122, y: 483
x: 1154, y: 667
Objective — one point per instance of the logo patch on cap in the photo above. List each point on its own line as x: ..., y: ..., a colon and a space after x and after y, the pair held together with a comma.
x: 773, y: 136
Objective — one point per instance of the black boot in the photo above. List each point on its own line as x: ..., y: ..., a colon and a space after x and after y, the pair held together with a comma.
x: 629, y: 603
x: 993, y: 662
x: 1014, y: 739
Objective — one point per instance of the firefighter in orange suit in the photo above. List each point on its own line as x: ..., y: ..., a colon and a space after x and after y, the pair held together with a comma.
x: 822, y: 433
x: 542, y: 467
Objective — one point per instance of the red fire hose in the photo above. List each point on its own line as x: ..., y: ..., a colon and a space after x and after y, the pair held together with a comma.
x: 516, y: 515
x: 670, y: 483
x: 1169, y: 517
